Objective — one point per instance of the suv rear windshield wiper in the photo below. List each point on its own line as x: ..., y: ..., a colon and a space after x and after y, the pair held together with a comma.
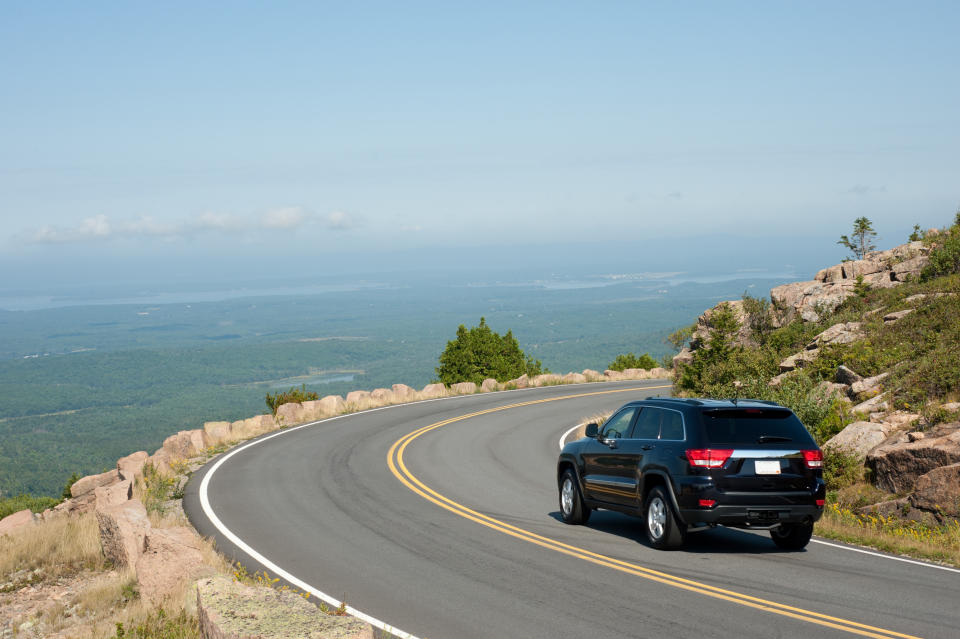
x: 766, y: 439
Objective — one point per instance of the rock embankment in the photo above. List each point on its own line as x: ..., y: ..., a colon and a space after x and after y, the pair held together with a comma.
x: 231, y: 610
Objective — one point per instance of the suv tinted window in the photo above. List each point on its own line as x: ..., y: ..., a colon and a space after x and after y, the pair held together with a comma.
x: 751, y: 426
x: 648, y: 424
x: 619, y: 425
x: 672, y: 426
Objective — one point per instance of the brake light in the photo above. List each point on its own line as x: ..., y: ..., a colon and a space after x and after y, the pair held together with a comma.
x: 708, y: 457
x: 813, y: 458
x: 821, y: 502
x: 708, y: 503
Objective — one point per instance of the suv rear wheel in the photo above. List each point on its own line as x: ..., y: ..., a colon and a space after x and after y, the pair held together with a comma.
x: 572, y: 508
x: 663, y: 529
x: 792, y: 536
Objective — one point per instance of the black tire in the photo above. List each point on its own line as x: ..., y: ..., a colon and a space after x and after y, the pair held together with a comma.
x: 663, y: 528
x: 792, y: 536
x: 572, y: 508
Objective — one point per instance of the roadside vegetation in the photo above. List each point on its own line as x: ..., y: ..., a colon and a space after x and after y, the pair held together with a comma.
x: 919, y: 351
x: 479, y: 353
x: 629, y: 360
x: 294, y: 395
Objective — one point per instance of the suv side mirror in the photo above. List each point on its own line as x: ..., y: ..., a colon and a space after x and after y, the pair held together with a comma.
x: 592, y: 430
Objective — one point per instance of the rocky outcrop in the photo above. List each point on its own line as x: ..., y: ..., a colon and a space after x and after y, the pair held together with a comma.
x: 230, y: 610
x: 707, y: 321
x: 185, y: 444
x: 859, y: 438
x: 829, y: 287
x: 129, y: 467
x: 357, y: 397
x: 868, y: 387
x: 402, y: 391
x: 897, y: 465
x: 843, y: 333
x: 113, y: 494
x: 88, y: 484
x: 16, y: 521
x: 938, y: 491
x: 846, y: 376
x: 489, y: 385
x: 889, y: 318
x: 463, y: 388
x: 431, y: 391
x: 123, y: 528
x: 574, y: 378
x: 382, y: 395
x: 170, y: 557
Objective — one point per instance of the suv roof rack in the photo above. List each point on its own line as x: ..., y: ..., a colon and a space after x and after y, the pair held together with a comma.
x: 685, y: 400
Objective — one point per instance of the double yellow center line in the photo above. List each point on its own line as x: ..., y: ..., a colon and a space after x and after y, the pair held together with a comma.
x: 408, y: 479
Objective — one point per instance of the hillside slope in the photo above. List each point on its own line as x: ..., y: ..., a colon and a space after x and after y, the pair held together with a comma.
x: 868, y: 355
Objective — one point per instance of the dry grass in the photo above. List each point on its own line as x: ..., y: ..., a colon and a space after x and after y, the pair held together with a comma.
x: 58, y: 547
x: 893, y: 534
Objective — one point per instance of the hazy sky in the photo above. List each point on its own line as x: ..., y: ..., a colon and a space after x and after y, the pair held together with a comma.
x: 318, y: 129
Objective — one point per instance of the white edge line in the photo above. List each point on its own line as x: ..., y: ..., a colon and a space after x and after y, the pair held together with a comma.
x: 878, y: 554
x: 277, y: 570
x: 563, y: 438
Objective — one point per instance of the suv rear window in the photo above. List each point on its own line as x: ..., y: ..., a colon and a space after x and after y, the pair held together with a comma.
x: 754, y: 426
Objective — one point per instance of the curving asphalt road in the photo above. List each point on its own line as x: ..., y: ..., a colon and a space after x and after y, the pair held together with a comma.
x: 447, y: 527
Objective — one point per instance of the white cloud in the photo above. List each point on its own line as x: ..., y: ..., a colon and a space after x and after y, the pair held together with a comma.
x: 285, y: 218
x: 96, y: 227
x: 102, y: 227
x: 340, y: 221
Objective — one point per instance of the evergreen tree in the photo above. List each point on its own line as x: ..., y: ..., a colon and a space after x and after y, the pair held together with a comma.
x: 480, y: 353
x: 861, y: 240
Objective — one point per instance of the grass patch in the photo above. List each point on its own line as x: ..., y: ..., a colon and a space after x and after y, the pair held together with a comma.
x: 892, y: 534
x: 60, y: 547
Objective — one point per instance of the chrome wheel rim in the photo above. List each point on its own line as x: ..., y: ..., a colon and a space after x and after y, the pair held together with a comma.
x: 656, y: 518
x: 566, y: 496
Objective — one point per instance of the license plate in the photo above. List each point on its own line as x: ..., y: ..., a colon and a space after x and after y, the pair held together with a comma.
x: 767, y: 467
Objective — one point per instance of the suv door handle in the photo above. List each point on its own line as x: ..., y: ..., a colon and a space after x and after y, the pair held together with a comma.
x: 646, y: 447
x: 612, y: 443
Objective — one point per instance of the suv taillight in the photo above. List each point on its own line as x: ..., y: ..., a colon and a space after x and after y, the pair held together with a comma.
x: 813, y: 459
x: 708, y: 457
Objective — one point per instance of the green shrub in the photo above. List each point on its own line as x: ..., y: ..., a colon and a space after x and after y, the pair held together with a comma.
x: 479, y: 353
x: 629, y: 360
x: 157, y: 489
x: 944, y: 254
x: 294, y: 395
x: 841, y: 469
x: 66, y: 494
x: 10, y: 505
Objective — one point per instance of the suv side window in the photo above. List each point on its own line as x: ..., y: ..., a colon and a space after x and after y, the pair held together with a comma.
x: 619, y: 425
x: 648, y: 424
x: 672, y: 427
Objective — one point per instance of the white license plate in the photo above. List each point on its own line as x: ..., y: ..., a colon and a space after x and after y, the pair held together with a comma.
x: 767, y: 467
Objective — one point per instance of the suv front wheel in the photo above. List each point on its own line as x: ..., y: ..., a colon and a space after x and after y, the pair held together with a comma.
x: 663, y: 529
x: 572, y: 508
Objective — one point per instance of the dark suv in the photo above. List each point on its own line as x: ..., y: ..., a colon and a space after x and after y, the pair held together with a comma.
x: 688, y: 464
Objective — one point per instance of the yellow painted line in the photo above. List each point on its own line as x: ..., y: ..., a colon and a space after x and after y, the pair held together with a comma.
x: 407, y: 478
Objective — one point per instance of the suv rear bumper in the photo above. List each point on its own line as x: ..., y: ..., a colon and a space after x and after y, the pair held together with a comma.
x: 758, y: 516
x: 748, y: 509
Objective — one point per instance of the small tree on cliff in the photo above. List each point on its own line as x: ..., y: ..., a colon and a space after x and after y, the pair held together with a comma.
x: 480, y: 353
x: 861, y: 240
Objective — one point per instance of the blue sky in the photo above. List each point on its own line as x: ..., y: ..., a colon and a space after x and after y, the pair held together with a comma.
x: 344, y: 129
